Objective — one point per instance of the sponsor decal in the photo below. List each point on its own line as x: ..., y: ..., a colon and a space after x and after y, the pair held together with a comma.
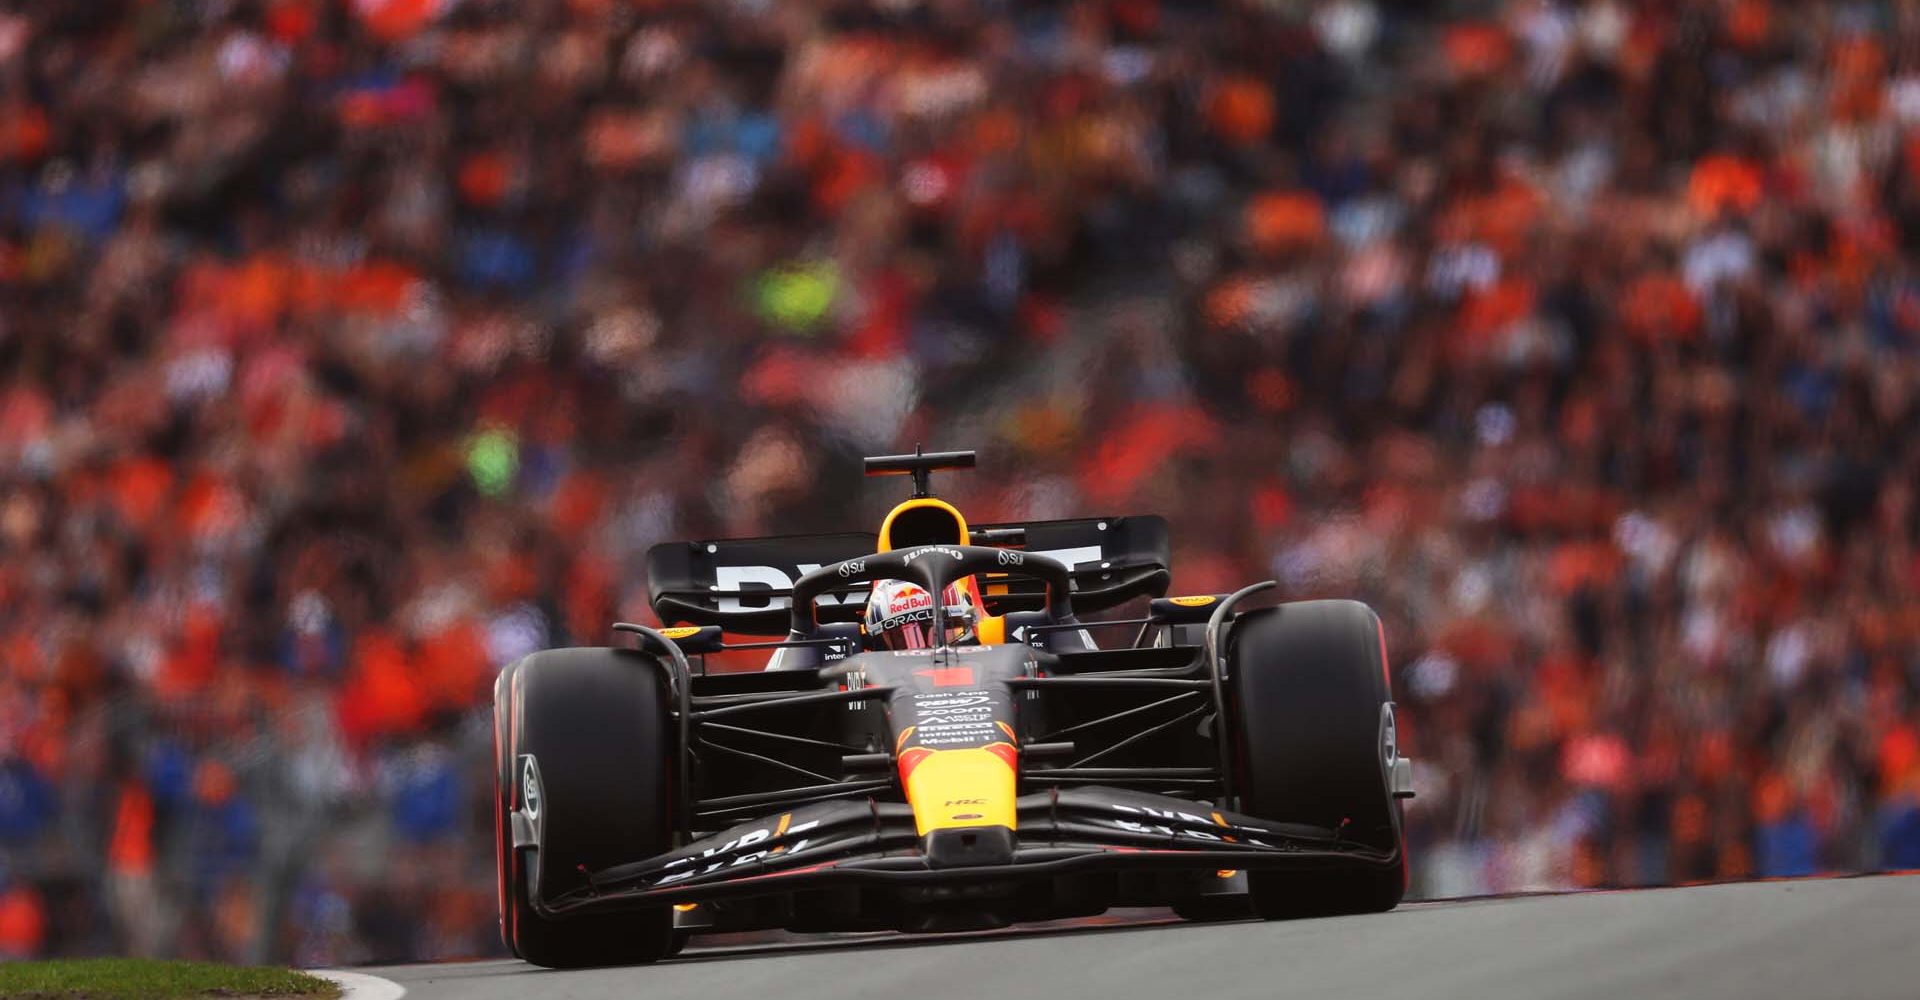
x: 1073, y: 556
x: 906, y: 599
x: 1188, y: 826
x: 952, y: 700
x: 720, y: 858
x: 1009, y: 557
x: 980, y: 714
x: 965, y: 718
x: 932, y: 550
x: 680, y: 631
x: 1192, y: 602
x: 925, y: 614
x: 1167, y: 817
x: 852, y: 566
x: 943, y: 742
x: 734, y: 586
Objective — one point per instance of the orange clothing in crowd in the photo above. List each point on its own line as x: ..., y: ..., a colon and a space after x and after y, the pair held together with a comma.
x: 23, y: 923
x: 130, y: 851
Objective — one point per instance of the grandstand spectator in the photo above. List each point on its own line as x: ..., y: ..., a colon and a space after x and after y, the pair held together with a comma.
x: 349, y: 351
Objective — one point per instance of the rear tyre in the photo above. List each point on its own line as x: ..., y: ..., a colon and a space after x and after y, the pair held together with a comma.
x: 595, y: 723
x: 1307, y: 683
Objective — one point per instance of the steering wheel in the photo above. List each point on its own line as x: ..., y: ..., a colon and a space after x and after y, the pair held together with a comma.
x: 933, y: 567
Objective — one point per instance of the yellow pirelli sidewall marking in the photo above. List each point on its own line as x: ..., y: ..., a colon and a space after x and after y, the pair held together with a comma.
x: 680, y: 631
x: 1192, y: 602
x: 965, y: 787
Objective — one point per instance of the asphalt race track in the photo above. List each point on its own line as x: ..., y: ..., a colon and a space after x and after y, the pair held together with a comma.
x: 1829, y: 938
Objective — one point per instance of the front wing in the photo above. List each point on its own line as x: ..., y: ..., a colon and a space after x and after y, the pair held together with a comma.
x: 865, y: 842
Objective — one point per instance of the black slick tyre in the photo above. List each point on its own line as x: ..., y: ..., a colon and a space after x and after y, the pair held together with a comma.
x: 587, y: 756
x: 1307, y: 684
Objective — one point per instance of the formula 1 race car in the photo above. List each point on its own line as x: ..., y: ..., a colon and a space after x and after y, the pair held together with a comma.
x: 1226, y: 761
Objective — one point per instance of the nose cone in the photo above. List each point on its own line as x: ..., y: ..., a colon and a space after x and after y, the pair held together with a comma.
x: 960, y: 787
x: 955, y: 734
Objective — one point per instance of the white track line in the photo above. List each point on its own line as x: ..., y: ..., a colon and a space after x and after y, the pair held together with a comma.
x: 360, y: 986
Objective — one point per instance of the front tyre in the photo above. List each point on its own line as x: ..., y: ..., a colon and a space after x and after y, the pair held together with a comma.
x: 1307, y: 683
x: 594, y: 724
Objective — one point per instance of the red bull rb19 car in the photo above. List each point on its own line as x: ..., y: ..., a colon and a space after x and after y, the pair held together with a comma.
x: 1218, y: 758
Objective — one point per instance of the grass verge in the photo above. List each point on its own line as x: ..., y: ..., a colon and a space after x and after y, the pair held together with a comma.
x: 141, y: 979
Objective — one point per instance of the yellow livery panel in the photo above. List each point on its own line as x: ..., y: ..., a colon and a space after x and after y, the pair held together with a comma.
x: 973, y: 786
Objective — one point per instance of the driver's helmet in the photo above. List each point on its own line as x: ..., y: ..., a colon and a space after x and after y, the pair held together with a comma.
x: 900, y: 614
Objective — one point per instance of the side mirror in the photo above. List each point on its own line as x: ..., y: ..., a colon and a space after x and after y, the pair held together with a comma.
x: 1182, y: 610
x: 695, y: 639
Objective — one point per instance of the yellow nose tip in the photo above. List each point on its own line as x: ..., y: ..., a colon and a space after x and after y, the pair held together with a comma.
x: 972, y: 786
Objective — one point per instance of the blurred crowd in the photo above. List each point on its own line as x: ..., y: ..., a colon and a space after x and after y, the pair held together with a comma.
x: 350, y: 349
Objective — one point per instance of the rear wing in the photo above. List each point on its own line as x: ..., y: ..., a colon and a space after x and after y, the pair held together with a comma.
x: 745, y: 585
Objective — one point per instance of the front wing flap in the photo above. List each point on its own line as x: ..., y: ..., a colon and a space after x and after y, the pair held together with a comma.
x: 865, y: 841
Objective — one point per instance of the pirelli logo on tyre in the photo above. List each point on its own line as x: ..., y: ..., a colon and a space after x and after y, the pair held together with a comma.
x: 1193, y: 602
x: 530, y: 801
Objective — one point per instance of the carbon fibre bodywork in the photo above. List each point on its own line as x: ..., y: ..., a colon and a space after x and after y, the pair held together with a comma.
x: 1036, y: 830
x: 1034, y: 775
